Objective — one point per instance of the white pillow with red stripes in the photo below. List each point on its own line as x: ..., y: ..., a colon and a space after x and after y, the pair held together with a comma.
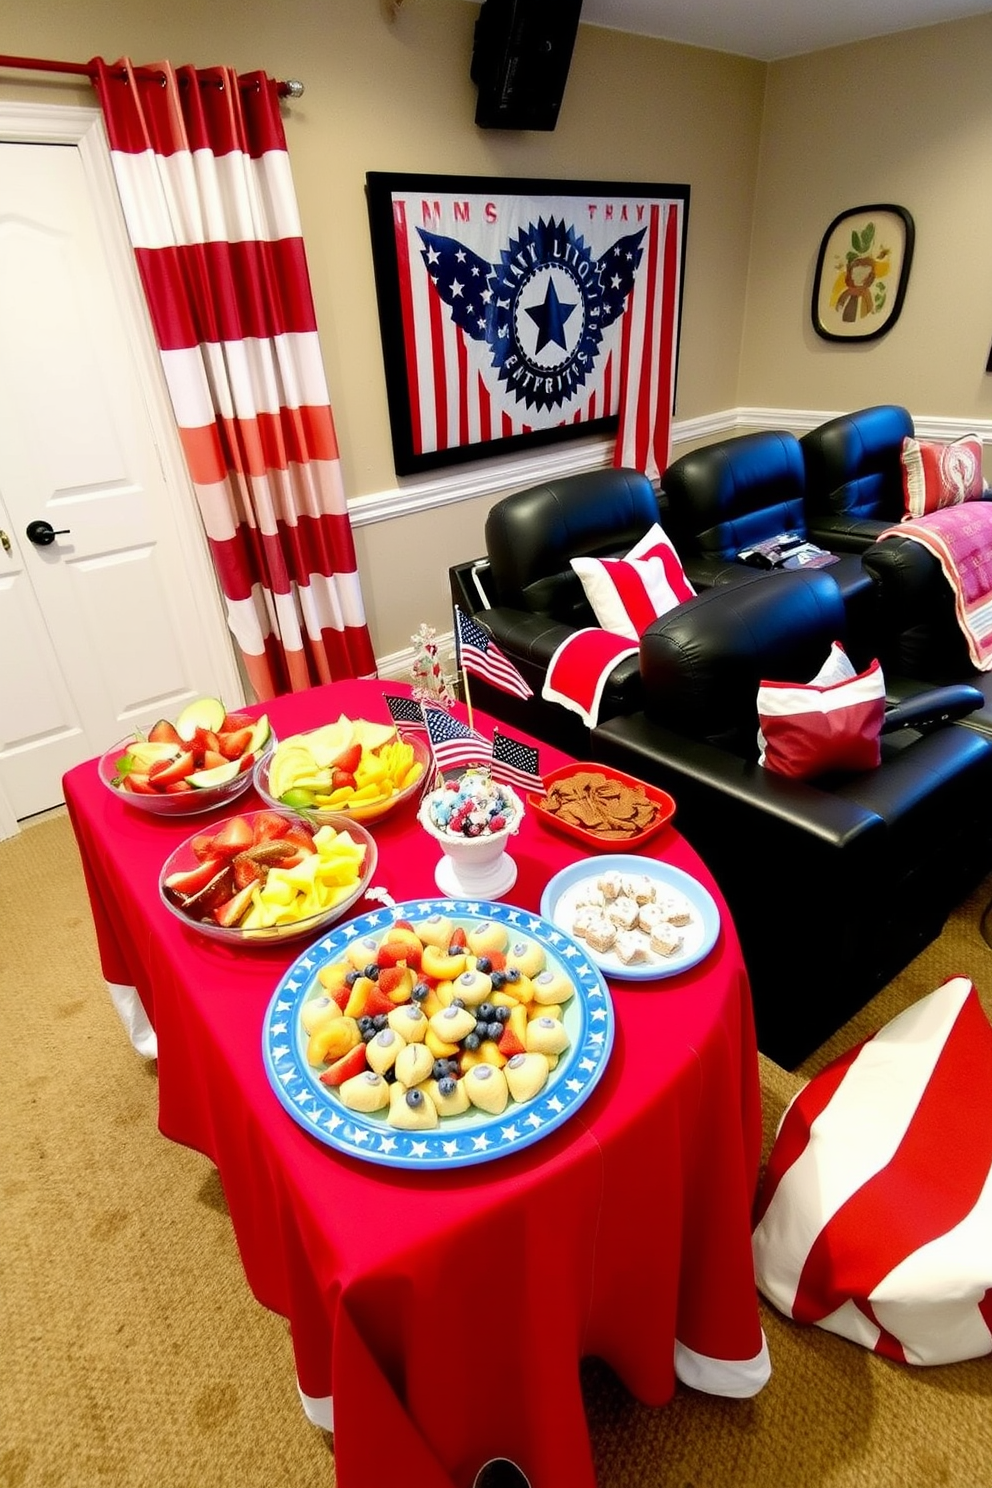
x: 626, y: 594
x: 832, y: 724
x: 874, y: 1219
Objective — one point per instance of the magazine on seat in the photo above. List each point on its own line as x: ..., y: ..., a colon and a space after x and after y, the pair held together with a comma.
x: 787, y: 550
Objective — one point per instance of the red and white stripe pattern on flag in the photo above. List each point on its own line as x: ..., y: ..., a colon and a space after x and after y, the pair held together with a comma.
x: 552, y: 276
x: 455, y: 746
x: 875, y: 1217
x: 479, y: 653
x: 205, y: 183
x: 649, y: 342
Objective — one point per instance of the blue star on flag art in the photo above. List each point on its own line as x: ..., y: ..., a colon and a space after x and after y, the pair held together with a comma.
x: 524, y: 313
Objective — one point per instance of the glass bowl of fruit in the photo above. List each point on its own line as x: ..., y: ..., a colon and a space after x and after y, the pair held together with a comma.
x: 350, y: 768
x: 200, y: 762
x: 266, y: 876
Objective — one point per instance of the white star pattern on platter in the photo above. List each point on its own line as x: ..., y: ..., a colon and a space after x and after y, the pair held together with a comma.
x: 476, y: 1137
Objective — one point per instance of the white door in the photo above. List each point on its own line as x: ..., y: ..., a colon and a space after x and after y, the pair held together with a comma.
x: 117, y: 621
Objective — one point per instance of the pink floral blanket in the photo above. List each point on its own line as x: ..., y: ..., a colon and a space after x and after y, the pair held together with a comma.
x: 960, y: 538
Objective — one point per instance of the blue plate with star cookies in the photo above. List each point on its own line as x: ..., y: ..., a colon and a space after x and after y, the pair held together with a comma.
x: 438, y: 1033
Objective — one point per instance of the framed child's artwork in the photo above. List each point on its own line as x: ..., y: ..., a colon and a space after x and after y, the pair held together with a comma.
x: 861, y: 273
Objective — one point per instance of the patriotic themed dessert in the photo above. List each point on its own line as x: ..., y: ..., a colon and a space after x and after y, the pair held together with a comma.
x: 475, y: 805
x: 630, y: 916
x: 423, y: 1030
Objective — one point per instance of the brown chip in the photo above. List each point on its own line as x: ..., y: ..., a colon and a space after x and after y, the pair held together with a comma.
x: 600, y: 804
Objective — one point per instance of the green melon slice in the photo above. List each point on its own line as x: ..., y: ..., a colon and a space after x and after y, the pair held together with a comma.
x: 206, y: 712
x: 219, y: 775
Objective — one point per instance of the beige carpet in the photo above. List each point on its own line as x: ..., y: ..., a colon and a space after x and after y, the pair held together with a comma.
x: 132, y: 1354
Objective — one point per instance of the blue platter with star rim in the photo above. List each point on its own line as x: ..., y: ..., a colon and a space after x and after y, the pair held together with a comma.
x: 457, y: 1141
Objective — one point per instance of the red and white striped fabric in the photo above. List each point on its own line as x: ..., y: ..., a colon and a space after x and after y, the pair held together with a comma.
x: 831, y: 724
x: 647, y: 357
x: 960, y: 538
x: 875, y: 1216
x: 626, y: 594
x: 580, y: 669
x: 204, y: 179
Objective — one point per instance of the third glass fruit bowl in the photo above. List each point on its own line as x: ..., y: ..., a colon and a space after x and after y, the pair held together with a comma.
x: 352, y: 768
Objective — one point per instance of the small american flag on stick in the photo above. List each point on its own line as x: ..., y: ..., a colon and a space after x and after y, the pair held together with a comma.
x: 407, y: 714
x: 479, y: 653
x: 455, y: 745
x: 515, y: 764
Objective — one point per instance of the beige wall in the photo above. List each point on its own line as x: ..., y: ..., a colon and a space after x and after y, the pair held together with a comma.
x: 771, y: 155
x: 396, y: 96
x: 904, y: 119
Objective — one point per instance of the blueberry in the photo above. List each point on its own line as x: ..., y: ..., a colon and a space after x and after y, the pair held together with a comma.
x: 513, y: 975
x: 446, y: 1085
x: 365, y: 1023
x: 372, y: 972
x: 498, y: 980
x: 420, y: 991
x: 502, y: 1014
x: 457, y: 1002
x: 494, y: 1030
x: 351, y: 977
x: 415, y: 1098
x: 439, y: 1069
x: 484, y: 964
x: 380, y: 1021
x: 485, y: 1012
x: 471, y: 1041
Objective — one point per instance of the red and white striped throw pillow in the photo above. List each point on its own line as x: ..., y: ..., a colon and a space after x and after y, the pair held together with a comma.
x: 626, y: 594
x: 830, y: 724
x: 875, y: 1215
x: 939, y: 475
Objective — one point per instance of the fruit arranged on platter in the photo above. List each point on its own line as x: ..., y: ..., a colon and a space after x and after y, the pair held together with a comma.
x: 348, y: 764
x: 265, y: 869
x: 206, y: 746
x: 428, y: 1027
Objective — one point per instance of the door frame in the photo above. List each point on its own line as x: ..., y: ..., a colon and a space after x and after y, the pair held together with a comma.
x: 60, y: 124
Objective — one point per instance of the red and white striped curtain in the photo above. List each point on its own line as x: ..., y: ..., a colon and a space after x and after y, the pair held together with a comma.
x: 204, y: 178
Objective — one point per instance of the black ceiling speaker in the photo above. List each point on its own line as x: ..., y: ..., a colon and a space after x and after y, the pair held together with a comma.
x: 520, y: 61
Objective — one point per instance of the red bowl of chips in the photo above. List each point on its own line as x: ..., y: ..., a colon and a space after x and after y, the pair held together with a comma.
x: 583, y: 790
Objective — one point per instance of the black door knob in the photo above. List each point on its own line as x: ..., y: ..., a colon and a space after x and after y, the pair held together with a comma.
x: 43, y: 533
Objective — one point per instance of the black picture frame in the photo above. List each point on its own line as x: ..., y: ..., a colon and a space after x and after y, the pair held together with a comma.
x: 853, y: 300
x: 522, y: 216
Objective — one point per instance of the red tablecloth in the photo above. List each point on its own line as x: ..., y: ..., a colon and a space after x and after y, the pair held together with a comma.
x: 447, y: 1312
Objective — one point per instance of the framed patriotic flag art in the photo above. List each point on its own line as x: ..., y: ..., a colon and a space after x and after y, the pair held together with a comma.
x: 516, y: 312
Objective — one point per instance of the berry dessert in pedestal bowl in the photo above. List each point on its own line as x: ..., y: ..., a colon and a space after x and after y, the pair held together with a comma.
x: 473, y: 818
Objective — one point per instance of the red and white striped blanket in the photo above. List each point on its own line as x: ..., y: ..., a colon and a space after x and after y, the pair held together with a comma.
x: 579, y: 669
x: 875, y: 1216
x: 960, y: 538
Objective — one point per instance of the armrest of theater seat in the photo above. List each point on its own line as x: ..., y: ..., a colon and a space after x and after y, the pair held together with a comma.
x: 933, y: 709
x: 530, y: 641
x: 719, y: 794
x: 839, y: 532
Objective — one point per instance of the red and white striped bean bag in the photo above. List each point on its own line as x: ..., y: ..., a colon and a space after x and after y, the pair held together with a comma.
x: 875, y: 1215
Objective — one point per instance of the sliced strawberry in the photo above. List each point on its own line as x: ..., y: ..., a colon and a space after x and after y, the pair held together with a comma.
x: 377, y: 1002
x: 300, y: 835
x: 234, y: 744
x: 391, y: 978
x: 508, y: 1043
x: 341, y: 994
x: 163, y: 732
x: 234, y: 837
x: 497, y: 960
x: 176, y: 786
x: 138, y: 782
x: 186, y: 882
x: 212, y: 758
x: 393, y: 952
x: 245, y: 762
x: 403, y: 924
x: 349, y: 1064
x: 269, y: 824
x: 247, y: 870
x: 234, y: 909
x: 350, y: 760
x: 202, y: 845
x: 458, y: 937
x: 235, y: 721
x: 342, y: 780
x: 166, y: 772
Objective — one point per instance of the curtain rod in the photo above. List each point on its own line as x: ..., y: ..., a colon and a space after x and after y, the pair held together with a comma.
x: 291, y: 88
